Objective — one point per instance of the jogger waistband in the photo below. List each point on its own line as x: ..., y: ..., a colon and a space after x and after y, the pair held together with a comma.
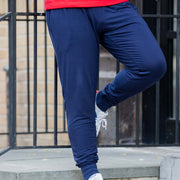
x: 56, y: 4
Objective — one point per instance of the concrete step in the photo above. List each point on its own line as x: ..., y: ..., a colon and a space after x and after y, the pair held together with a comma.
x: 58, y: 164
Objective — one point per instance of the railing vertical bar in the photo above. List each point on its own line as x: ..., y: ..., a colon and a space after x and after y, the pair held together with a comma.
x: 46, y: 91
x: 35, y: 77
x: 177, y: 74
x: 158, y: 28
x: 137, y: 118
x: 55, y: 102
x: 28, y: 84
x: 64, y: 118
x: 117, y: 110
x: 140, y: 9
x: 12, y: 74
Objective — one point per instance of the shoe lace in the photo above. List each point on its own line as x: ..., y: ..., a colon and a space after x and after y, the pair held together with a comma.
x: 100, y: 120
x: 104, y: 123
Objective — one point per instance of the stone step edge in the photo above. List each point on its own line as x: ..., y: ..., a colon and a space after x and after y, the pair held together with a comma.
x: 110, y: 173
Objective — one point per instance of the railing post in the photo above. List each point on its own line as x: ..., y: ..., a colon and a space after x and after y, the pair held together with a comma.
x: 140, y: 6
x: 117, y: 110
x: 177, y: 73
x: 12, y: 74
x: 55, y: 100
x: 158, y: 37
x: 35, y: 78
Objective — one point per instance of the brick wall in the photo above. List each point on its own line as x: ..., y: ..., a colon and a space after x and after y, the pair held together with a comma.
x: 3, y: 75
x: 22, y: 105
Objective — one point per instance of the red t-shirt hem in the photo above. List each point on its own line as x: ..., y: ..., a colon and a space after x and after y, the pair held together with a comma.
x: 56, y: 4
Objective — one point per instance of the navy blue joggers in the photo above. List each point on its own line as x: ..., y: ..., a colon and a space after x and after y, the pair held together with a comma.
x: 76, y: 34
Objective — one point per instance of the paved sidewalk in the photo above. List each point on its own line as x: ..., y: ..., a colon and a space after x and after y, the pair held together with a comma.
x: 55, y: 164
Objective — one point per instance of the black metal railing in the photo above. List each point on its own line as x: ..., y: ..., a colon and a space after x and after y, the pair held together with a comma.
x: 13, y: 17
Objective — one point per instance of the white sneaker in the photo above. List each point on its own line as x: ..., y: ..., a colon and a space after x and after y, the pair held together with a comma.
x: 100, y: 119
x: 96, y: 176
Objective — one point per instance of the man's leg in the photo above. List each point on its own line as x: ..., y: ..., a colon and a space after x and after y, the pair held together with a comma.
x: 129, y: 39
x: 77, y: 51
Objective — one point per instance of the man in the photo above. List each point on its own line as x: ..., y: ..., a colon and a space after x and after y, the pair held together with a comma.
x: 77, y: 27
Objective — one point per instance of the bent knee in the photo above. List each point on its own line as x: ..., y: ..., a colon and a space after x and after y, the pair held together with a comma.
x: 158, y: 67
x: 153, y: 68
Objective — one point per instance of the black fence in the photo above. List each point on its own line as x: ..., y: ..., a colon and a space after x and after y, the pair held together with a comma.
x: 157, y: 109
